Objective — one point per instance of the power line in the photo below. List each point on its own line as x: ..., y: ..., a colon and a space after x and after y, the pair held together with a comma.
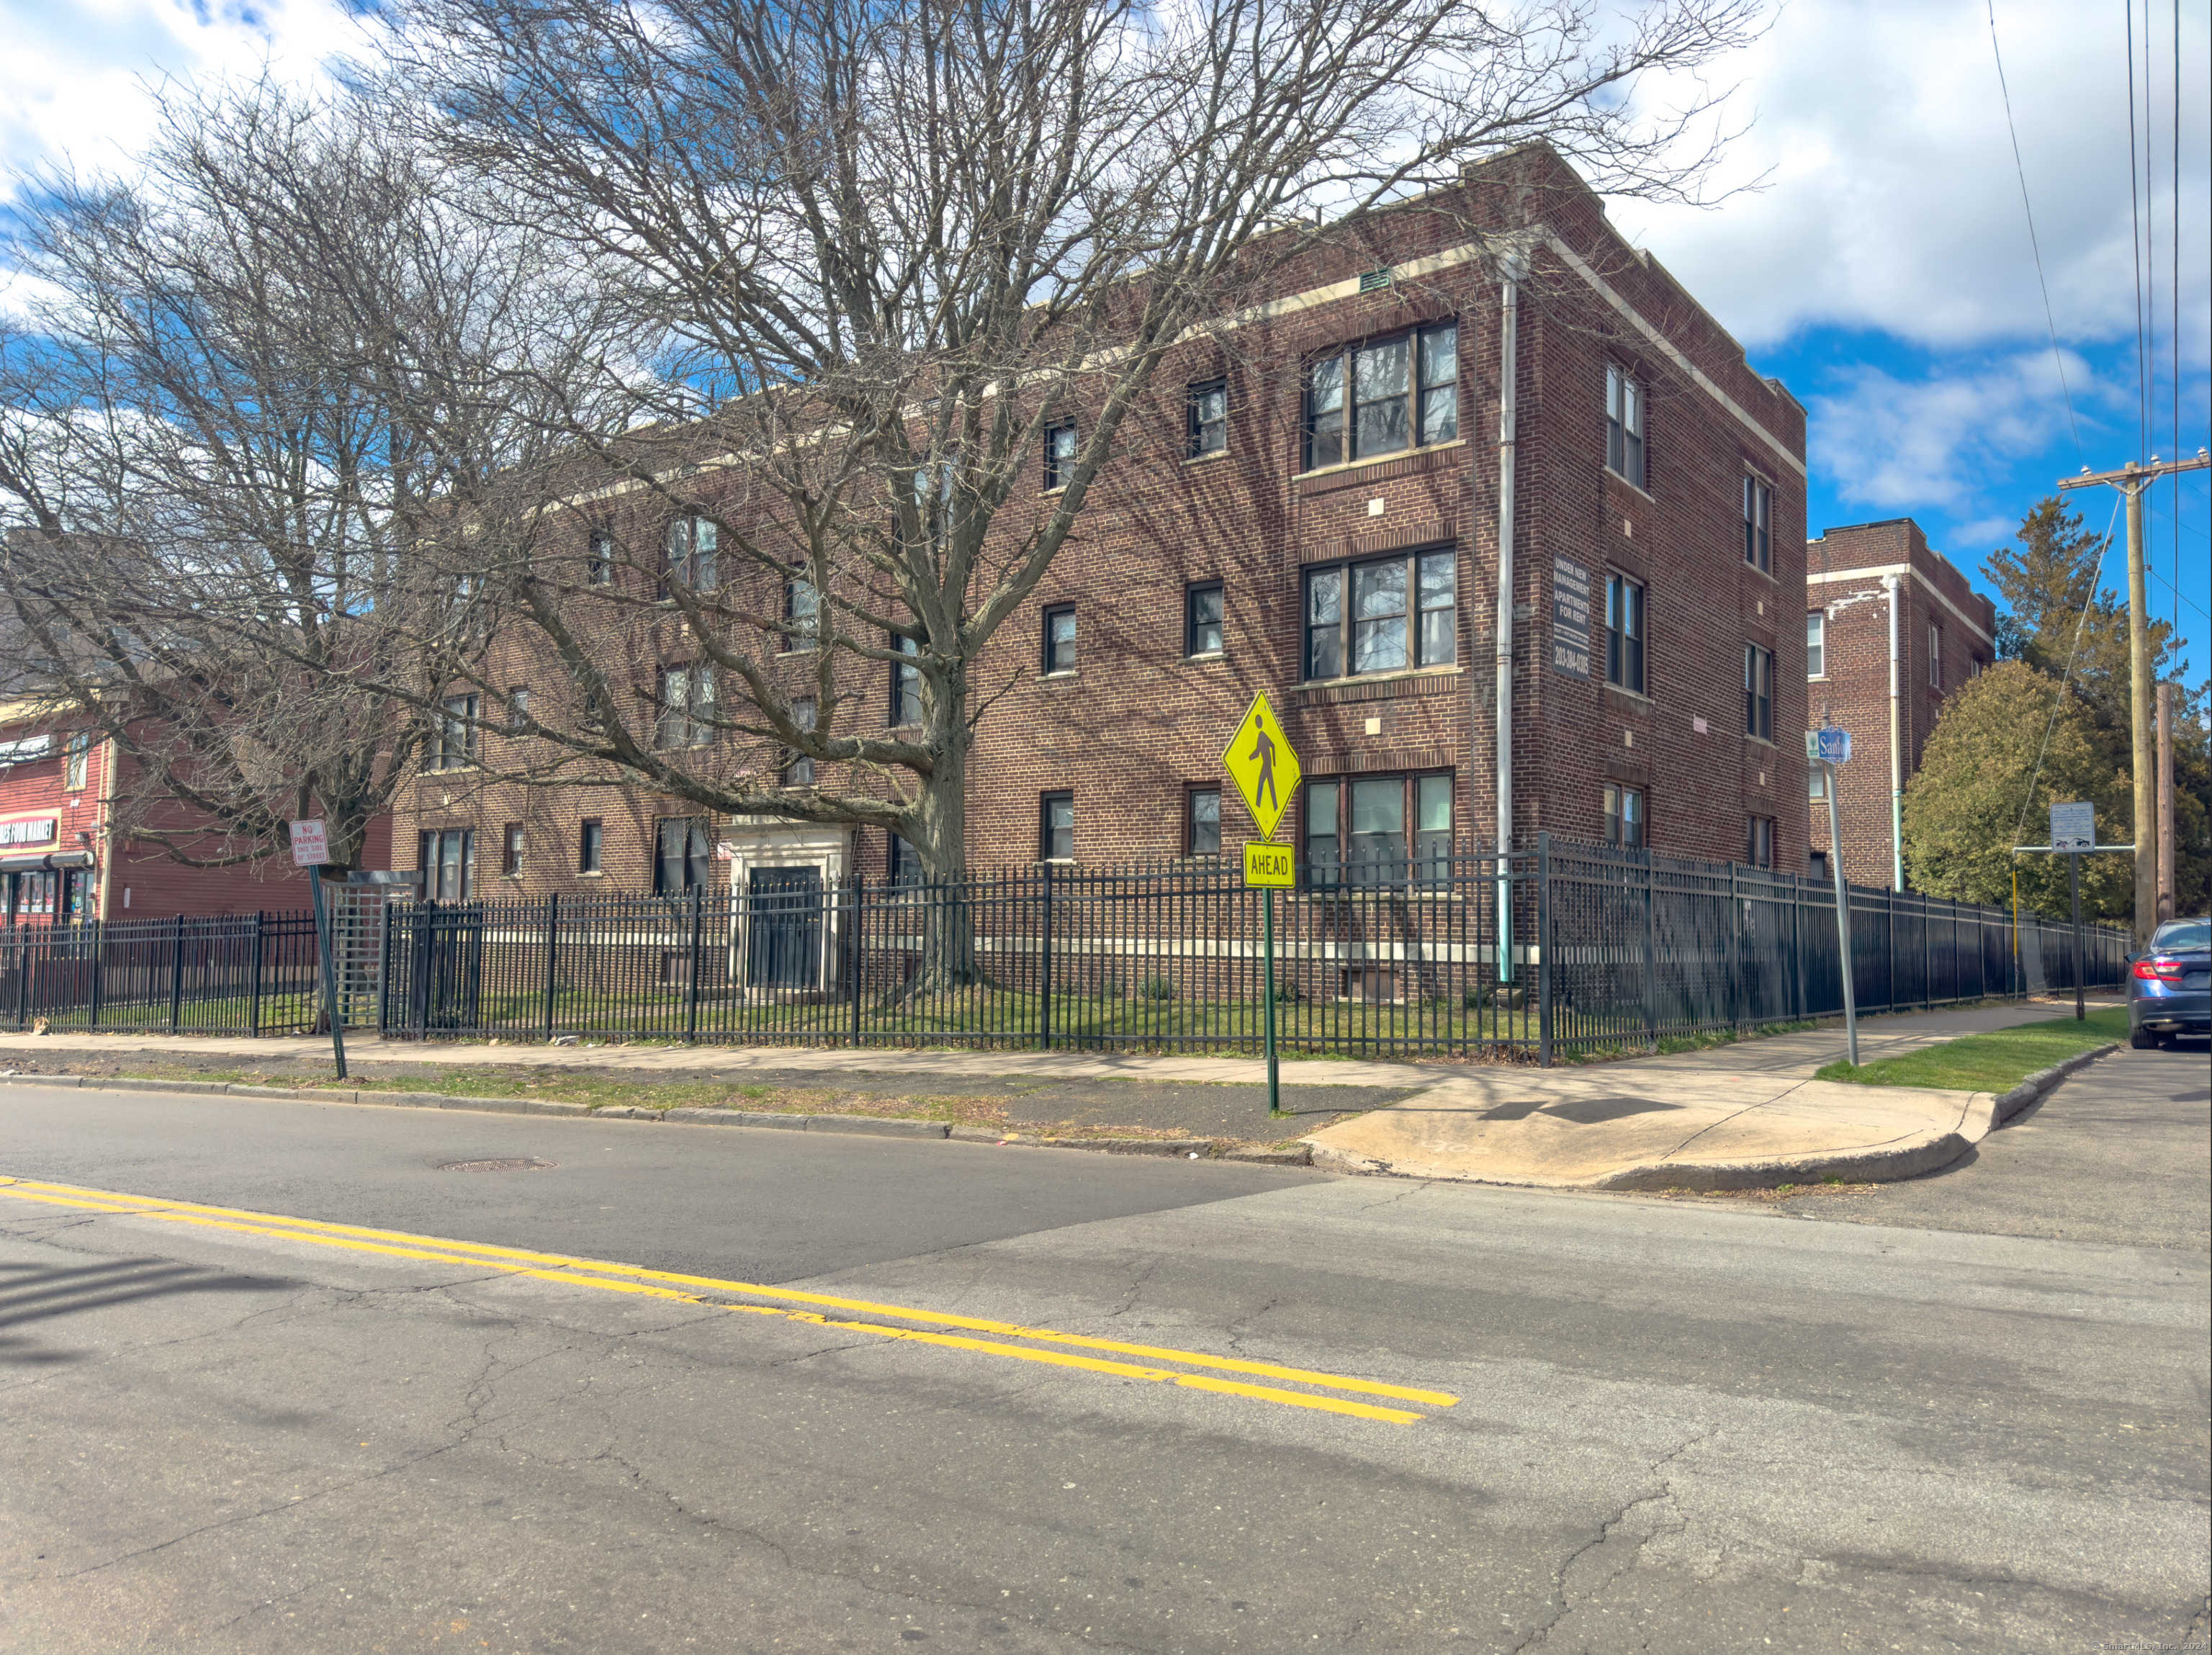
x: 2173, y: 292
x: 2134, y: 233
x: 2034, y: 246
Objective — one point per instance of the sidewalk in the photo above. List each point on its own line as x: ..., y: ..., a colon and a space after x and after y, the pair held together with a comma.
x: 1734, y: 1117
x: 1728, y: 1116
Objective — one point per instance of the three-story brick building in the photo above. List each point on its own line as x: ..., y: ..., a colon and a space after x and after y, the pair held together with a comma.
x: 1890, y: 627
x: 1320, y: 507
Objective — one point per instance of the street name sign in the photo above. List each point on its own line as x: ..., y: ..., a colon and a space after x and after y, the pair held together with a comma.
x: 1829, y: 746
x: 1269, y: 864
x: 1262, y: 761
x: 2073, y: 827
x: 310, y: 844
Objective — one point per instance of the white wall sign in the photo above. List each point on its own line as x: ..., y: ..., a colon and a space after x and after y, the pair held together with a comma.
x: 38, y: 831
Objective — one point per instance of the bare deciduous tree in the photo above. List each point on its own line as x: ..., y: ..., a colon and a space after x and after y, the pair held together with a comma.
x: 260, y: 379
x: 883, y: 249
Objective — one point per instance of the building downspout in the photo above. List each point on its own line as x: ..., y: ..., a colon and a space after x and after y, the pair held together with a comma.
x: 1509, y: 366
x: 1896, y: 750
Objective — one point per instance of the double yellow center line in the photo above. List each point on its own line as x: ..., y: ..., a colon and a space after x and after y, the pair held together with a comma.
x: 887, y: 1321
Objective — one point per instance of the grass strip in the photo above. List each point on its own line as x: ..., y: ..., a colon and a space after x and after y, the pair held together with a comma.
x: 1995, y: 1062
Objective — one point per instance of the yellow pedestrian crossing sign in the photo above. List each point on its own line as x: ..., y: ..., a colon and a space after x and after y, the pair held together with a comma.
x: 1264, y: 766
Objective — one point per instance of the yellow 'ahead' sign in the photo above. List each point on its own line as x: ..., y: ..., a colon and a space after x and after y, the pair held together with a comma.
x: 1261, y: 763
x: 1268, y: 864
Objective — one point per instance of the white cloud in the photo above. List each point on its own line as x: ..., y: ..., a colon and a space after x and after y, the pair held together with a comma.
x: 1947, y: 441
x: 74, y: 79
x: 1894, y: 204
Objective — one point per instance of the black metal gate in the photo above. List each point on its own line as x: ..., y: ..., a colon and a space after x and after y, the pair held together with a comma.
x: 447, y: 966
x: 783, y: 942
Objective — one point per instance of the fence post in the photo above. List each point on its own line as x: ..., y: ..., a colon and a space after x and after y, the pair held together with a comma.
x: 1735, y: 948
x: 1044, y: 971
x: 177, y: 975
x: 1889, y: 950
x: 552, y: 956
x: 384, y: 970
x: 1543, y: 943
x: 855, y: 887
x: 98, y: 931
x: 1650, y: 951
x: 691, y: 975
x: 254, y: 1024
x: 22, y: 977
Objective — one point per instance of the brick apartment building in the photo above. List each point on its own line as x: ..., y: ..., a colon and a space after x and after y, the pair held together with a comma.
x: 1871, y: 590
x: 63, y: 858
x: 1317, y: 514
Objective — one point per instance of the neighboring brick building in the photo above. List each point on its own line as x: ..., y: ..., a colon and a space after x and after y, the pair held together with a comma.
x: 62, y: 858
x: 1856, y: 579
x: 1235, y: 546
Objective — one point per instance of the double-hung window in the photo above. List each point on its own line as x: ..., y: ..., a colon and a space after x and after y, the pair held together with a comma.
x: 591, y: 845
x: 802, y: 615
x: 1935, y: 657
x: 1202, y: 611
x: 1202, y: 821
x: 1060, y: 639
x: 449, y: 864
x: 517, y: 710
x: 902, y: 863
x: 1384, y: 616
x: 1758, y: 692
x: 1624, y: 424
x: 1816, y: 643
x: 1625, y: 822
x: 511, y: 851
x: 76, y: 761
x: 1625, y: 634
x: 1378, y: 830
x: 906, y: 684
x: 1758, y: 842
x: 1059, y: 455
x: 1209, y: 417
x: 1056, y: 826
x: 1380, y: 398
x: 600, y: 559
x: 798, y: 768
x: 687, y: 708
x: 680, y: 855
x: 1757, y: 525
x: 455, y: 745
x: 692, y: 554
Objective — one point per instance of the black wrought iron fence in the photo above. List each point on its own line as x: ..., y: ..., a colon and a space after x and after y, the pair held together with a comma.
x: 1599, y: 948
x: 251, y: 973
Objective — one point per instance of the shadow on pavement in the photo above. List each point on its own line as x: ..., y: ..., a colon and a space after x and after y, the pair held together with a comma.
x: 35, y: 1293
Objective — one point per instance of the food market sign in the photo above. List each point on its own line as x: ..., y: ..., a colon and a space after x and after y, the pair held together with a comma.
x: 38, y: 831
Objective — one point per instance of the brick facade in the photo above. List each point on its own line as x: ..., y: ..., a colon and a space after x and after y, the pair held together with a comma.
x: 1139, y: 721
x: 1947, y: 633
x: 63, y: 858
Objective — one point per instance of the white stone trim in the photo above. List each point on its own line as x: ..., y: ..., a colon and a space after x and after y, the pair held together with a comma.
x: 1877, y: 571
x: 768, y: 842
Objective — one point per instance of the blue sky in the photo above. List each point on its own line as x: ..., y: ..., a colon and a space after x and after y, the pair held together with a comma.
x: 1883, y: 271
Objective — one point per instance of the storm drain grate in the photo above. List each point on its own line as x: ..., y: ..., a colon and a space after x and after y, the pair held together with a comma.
x: 506, y: 1164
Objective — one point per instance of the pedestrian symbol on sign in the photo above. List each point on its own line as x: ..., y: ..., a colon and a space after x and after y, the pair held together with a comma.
x: 1263, y: 764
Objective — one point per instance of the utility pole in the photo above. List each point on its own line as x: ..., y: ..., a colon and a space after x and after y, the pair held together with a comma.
x: 2164, y: 802
x: 2131, y: 480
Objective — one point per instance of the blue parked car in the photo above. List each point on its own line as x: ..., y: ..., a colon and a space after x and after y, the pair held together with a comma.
x: 2170, y: 987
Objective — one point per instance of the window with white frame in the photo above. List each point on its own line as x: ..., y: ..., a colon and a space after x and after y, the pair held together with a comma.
x: 906, y: 684
x: 1059, y: 455
x: 76, y: 761
x: 1816, y: 643
x: 1935, y: 658
x: 798, y: 768
x: 802, y: 615
x: 1379, y: 397
x: 1385, y: 614
x: 1624, y: 424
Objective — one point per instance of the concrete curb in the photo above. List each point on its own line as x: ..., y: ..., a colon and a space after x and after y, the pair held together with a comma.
x: 1890, y: 1164
x: 2011, y: 1103
x: 860, y: 1125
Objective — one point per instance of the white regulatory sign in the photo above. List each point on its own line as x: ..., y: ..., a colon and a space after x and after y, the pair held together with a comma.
x: 2073, y: 827
x: 310, y: 844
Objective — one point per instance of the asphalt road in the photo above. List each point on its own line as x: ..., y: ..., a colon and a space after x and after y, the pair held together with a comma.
x: 1685, y: 1427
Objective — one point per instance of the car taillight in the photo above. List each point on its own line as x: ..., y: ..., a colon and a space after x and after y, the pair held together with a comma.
x: 2159, y: 971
